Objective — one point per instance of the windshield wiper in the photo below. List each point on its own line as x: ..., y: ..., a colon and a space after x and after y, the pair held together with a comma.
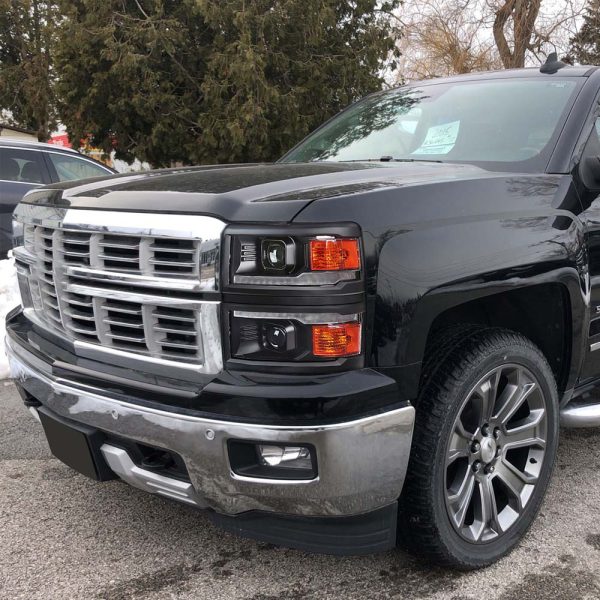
x: 392, y: 159
x: 410, y: 160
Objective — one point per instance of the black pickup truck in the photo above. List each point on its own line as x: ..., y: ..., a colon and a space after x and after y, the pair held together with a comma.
x: 368, y: 343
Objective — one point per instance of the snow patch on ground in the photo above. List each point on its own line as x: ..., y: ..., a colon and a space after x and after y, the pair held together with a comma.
x: 9, y: 298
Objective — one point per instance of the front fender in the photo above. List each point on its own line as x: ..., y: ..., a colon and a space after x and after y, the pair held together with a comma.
x: 458, y: 263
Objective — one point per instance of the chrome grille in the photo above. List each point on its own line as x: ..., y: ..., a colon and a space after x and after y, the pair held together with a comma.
x: 172, y: 258
x: 157, y: 329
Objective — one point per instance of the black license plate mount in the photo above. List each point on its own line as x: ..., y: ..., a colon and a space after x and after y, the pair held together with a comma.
x: 76, y: 445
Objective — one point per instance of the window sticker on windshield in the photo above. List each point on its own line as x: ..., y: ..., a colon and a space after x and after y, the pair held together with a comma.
x: 440, y: 139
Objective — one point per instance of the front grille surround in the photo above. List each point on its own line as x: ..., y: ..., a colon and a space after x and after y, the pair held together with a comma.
x: 84, y: 286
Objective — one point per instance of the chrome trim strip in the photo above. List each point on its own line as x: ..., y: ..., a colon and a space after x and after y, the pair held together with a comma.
x: 304, y: 279
x: 362, y: 463
x: 595, y: 346
x: 305, y: 318
x: 141, y: 297
x: 21, y: 182
x: 198, y: 227
x: 137, y: 280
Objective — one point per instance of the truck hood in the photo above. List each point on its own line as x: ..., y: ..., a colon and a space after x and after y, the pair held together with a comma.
x: 259, y: 193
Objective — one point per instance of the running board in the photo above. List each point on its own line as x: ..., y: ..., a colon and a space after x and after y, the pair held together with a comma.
x: 576, y: 415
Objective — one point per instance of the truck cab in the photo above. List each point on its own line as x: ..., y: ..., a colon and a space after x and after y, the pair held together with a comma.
x: 370, y: 343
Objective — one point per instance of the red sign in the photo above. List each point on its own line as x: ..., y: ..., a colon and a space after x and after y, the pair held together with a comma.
x: 61, y: 139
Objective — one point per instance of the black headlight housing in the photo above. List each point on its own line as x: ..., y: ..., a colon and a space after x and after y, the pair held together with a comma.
x: 294, y: 295
x: 283, y: 256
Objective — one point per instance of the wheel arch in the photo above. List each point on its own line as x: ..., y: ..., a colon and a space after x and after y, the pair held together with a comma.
x: 550, y: 311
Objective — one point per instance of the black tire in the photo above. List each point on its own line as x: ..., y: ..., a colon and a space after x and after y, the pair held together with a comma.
x: 459, y: 360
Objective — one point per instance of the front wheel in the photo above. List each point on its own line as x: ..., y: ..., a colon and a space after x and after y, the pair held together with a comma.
x: 483, y: 450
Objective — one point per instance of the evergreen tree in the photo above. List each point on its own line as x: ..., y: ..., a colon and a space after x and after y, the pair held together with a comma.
x: 27, y: 30
x: 206, y: 81
x: 585, y: 46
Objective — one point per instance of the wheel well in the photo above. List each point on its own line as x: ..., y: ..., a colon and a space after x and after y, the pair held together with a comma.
x: 540, y: 313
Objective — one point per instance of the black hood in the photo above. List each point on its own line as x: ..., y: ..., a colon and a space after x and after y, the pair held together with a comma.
x: 259, y: 193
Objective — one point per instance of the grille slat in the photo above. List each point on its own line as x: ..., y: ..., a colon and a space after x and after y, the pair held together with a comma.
x: 79, y: 315
x: 122, y: 323
x: 55, y: 317
x: 73, y: 253
x: 170, y: 263
x: 116, y: 258
x: 125, y: 338
x: 134, y: 246
x: 127, y: 311
x: 179, y: 345
x: 74, y: 302
x: 82, y: 330
x: 174, y: 329
x: 174, y: 250
x: 165, y: 315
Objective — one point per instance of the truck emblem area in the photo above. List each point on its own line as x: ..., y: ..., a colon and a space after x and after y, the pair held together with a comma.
x: 488, y: 449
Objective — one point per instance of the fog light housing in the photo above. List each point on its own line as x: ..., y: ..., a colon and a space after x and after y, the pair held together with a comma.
x: 267, y: 460
x: 290, y: 457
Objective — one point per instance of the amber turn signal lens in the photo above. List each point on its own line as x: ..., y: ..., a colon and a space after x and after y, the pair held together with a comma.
x: 336, y: 340
x: 334, y: 255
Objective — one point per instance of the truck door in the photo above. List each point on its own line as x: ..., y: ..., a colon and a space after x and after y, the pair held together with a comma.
x: 590, y: 197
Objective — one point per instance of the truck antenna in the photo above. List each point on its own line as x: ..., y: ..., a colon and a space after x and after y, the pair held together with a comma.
x: 552, y: 64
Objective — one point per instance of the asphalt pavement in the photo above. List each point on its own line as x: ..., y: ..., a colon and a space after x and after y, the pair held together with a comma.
x: 66, y: 537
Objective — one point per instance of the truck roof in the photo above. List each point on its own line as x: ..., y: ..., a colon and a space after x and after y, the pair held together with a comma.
x: 568, y: 71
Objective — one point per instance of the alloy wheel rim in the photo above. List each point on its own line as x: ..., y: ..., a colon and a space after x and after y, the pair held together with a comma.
x: 495, y: 453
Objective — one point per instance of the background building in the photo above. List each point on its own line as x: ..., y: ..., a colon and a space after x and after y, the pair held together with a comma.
x: 17, y: 132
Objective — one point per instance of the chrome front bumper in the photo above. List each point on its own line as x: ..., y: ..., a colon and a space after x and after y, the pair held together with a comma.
x: 362, y: 463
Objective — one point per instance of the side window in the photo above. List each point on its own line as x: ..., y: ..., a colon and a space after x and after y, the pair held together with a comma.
x: 24, y: 166
x: 592, y: 146
x: 69, y: 168
x: 589, y: 168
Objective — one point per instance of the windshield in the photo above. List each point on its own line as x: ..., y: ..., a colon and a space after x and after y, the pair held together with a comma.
x: 507, y: 123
